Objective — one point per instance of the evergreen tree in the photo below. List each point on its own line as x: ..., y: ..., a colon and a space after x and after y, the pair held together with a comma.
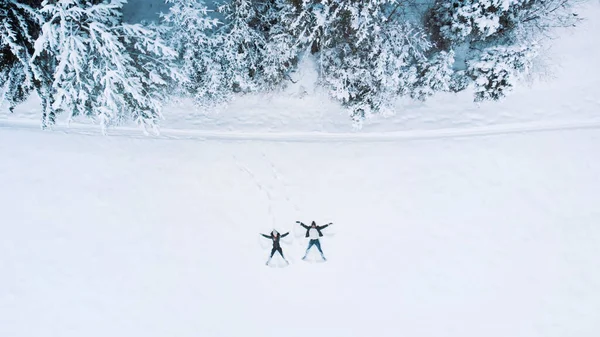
x: 104, y: 68
x: 240, y: 47
x: 497, y: 70
x: 19, y: 26
x: 190, y: 32
x: 459, y: 20
x: 280, y: 54
x: 495, y: 32
x: 367, y: 55
x: 434, y: 75
x: 241, y: 53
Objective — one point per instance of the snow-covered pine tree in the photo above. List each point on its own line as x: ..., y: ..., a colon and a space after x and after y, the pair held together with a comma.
x: 536, y: 19
x: 104, y: 68
x: 367, y: 55
x: 434, y: 75
x: 237, y: 55
x: 498, y: 68
x: 494, y: 32
x: 239, y: 47
x: 280, y: 55
x: 19, y: 26
x: 479, y: 20
x: 190, y: 32
x: 459, y: 20
x: 341, y: 36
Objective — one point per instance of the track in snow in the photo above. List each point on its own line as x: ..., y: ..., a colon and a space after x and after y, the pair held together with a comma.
x: 183, y: 134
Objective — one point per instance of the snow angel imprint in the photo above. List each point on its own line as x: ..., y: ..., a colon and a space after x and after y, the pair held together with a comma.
x: 314, y: 232
x: 275, y: 236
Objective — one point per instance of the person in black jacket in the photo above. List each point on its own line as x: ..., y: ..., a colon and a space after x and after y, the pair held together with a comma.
x: 275, y: 237
x: 314, y: 233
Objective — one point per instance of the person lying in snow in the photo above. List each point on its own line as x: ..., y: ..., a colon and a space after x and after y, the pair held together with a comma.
x: 275, y: 236
x: 314, y: 233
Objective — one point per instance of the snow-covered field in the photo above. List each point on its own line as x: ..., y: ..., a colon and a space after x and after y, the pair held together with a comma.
x: 477, y: 236
x: 449, y: 219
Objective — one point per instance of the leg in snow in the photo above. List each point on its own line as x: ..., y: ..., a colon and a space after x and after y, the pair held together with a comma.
x: 281, y: 253
x: 312, y: 242
x: 318, y: 244
x: 273, y: 250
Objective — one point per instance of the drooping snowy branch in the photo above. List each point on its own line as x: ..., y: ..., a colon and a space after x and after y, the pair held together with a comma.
x: 190, y: 33
x: 495, y: 33
x: 366, y: 56
x: 19, y: 26
x: 104, y: 68
x: 496, y: 71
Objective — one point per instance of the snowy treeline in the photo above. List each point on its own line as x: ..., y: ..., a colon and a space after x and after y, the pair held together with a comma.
x: 82, y: 59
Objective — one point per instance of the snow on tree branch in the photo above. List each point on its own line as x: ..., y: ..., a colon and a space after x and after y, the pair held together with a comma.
x: 105, y: 69
x: 19, y: 24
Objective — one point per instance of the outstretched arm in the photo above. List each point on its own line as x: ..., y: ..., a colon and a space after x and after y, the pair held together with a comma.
x: 266, y: 236
x: 301, y: 224
x: 324, y: 226
x: 284, y: 235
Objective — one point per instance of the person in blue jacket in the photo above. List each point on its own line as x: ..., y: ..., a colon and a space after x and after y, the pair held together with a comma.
x: 275, y: 236
x: 314, y: 232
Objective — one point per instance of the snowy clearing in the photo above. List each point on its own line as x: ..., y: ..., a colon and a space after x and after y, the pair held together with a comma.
x: 118, y: 236
x: 450, y: 218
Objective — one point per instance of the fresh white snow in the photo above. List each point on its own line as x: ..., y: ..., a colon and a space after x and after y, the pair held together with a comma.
x: 450, y: 219
x: 492, y: 235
